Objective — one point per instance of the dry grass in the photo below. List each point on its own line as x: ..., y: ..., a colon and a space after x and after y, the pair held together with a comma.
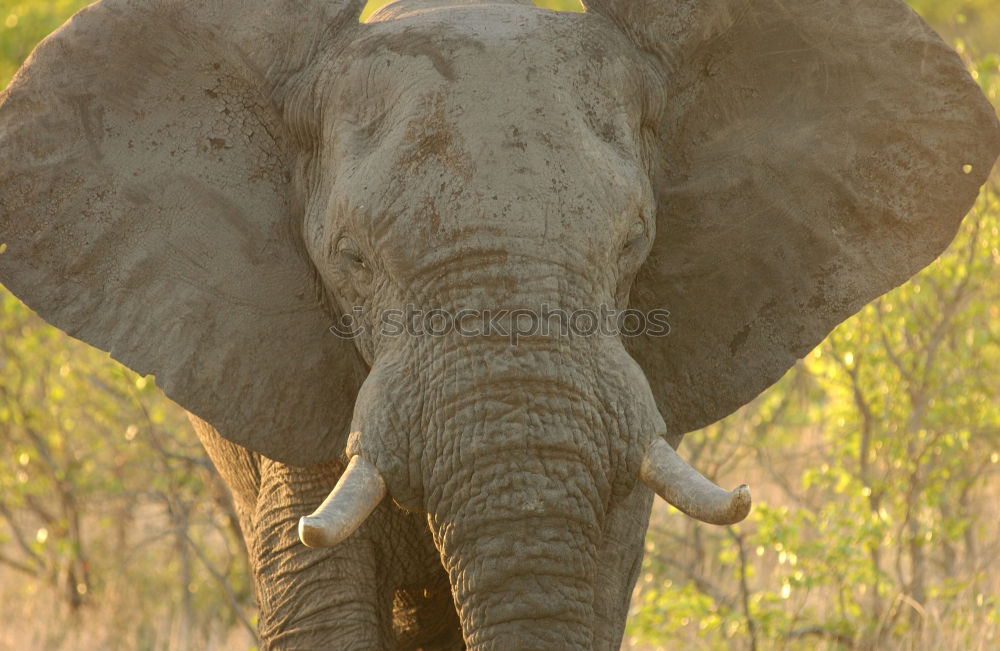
x: 32, y: 618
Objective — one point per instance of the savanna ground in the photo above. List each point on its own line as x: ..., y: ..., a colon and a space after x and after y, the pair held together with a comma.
x: 875, y: 465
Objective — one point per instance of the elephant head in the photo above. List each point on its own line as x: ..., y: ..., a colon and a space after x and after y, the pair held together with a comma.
x: 205, y: 188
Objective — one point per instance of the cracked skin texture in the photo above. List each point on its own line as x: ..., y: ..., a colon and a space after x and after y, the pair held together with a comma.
x: 202, y: 188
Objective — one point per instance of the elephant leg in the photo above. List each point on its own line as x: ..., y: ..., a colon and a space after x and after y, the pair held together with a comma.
x: 308, y: 598
x: 425, y: 618
x: 315, y: 598
x: 424, y: 613
x: 238, y: 467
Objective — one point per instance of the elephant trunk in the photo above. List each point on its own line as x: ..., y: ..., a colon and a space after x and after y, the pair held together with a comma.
x: 518, y: 474
x: 521, y: 554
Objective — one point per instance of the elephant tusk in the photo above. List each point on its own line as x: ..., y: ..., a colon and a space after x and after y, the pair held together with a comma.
x: 687, y: 489
x: 353, y: 499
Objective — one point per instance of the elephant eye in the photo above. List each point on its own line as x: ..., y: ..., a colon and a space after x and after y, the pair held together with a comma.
x: 348, y: 250
x: 636, y: 237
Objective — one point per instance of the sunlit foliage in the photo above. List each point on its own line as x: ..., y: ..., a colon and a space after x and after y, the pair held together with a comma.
x: 108, y: 505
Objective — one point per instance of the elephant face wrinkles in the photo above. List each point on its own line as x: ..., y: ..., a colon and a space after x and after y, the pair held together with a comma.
x: 477, y: 154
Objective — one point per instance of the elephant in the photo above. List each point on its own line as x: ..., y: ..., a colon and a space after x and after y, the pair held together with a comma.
x: 213, y: 190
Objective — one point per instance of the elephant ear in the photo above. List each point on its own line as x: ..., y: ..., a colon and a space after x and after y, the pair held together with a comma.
x: 808, y: 156
x: 148, y: 209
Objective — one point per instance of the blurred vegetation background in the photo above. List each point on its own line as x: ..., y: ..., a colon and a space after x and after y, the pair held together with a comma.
x: 874, y: 463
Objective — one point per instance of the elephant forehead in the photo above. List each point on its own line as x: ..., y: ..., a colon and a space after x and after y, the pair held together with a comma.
x: 484, y: 67
x: 536, y: 121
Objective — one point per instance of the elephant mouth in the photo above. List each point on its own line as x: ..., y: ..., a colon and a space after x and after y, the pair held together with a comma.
x: 362, y: 487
